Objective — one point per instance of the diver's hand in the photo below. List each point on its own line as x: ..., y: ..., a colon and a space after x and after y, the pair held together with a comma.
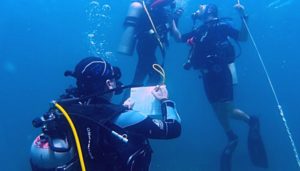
x: 160, y: 92
x: 129, y: 103
x: 240, y: 8
x: 178, y: 13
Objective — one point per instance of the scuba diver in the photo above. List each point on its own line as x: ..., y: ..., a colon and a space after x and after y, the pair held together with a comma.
x: 112, y: 137
x: 147, y: 26
x: 212, y: 53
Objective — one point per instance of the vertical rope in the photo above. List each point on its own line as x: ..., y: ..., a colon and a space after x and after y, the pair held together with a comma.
x: 274, y: 94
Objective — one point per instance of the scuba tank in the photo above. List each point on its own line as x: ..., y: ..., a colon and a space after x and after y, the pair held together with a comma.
x: 52, y: 150
x: 128, y: 39
x: 44, y: 156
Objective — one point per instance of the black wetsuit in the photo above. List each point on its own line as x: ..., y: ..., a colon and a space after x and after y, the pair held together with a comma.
x: 105, y: 151
x: 211, y: 55
x: 147, y: 44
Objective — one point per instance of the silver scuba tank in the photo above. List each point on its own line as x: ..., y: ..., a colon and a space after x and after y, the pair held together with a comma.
x: 48, y: 154
x: 128, y: 38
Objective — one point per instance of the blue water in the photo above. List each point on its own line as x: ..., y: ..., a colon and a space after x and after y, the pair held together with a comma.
x: 40, y: 39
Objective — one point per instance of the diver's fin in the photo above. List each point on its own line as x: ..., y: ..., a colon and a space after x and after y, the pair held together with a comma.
x: 227, y: 155
x: 256, y: 146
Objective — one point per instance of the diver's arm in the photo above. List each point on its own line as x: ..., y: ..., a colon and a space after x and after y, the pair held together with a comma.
x: 167, y: 128
x: 186, y: 36
x: 243, y: 34
x: 175, y: 32
x: 170, y: 126
x: 174, y: 24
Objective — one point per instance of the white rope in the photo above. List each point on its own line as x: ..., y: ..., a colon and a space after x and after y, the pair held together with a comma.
x: 275, y: 95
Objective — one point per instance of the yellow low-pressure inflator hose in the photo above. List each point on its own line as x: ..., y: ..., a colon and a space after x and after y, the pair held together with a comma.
x: 161, y: 71
x: 79, y: 151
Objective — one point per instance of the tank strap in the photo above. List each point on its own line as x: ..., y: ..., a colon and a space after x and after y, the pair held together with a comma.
x: 131, y: 21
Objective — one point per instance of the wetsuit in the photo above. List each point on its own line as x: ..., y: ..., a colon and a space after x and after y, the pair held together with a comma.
x: 211, y: 55
x: 105, y: 151
x: 147, y: 42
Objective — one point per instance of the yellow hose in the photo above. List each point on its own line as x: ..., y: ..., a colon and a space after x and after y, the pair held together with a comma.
x: 79, y: 151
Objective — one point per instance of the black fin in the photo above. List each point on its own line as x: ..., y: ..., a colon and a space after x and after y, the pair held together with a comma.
x: 227, y: 155
x: 256, y: 146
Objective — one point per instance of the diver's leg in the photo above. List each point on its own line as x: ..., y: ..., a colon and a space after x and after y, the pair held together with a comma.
x: 238, y: 114
x: 222, y: 111
x: 141, y: 71
x: 219, y: 91
x: 218, y: 88
x: 139, y: 76
x: 146, y: 57
x: 154, y: 76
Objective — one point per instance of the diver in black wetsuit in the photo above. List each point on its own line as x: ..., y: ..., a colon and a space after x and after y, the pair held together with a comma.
x: 164, y: 20
x: 212, y: 54
x: 98, y: 121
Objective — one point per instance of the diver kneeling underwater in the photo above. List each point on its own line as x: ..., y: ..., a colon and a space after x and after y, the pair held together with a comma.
x: 112, y: 137
x: 213, y: 54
